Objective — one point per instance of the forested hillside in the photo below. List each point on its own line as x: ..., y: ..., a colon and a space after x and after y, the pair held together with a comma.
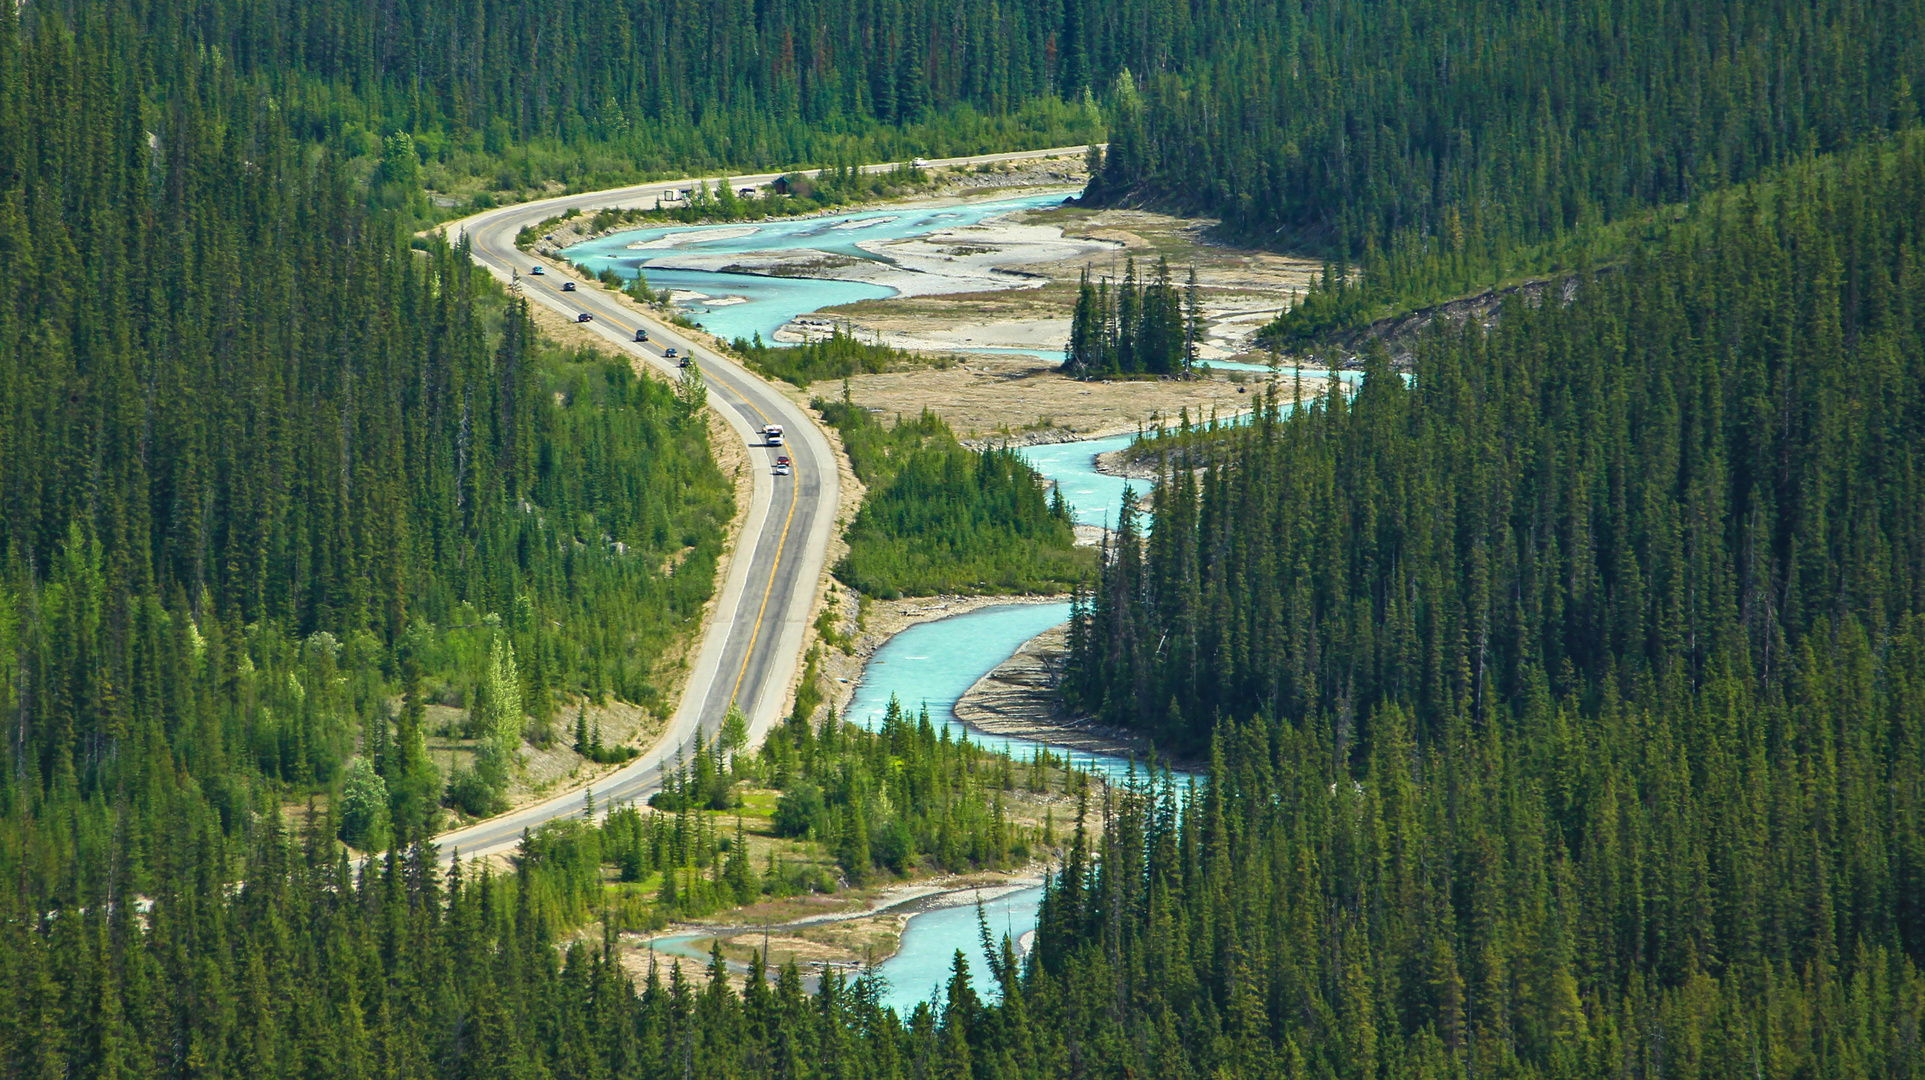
x: 273, y: 482
x: 1565, y: 707
x: 1444, y: 144
x: 1699, y: 466
x: 518, y: 92
x: 1449, y: 144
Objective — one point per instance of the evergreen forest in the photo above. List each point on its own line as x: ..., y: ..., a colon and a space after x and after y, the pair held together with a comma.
x: 277, y: 481
x: 1569, y: 695
x: 1561, y: 699
x: 1446, y: 146
x: 940, y: 517
x: 509, y: 95
x: 1442, y: 145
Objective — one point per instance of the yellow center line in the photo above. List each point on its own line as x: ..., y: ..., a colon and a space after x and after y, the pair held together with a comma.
x: 775, y: 569
x: 755, y: 631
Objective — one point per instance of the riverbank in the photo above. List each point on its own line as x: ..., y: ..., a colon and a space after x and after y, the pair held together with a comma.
x: 984, y: 256
x: 946, y: 187
x: 980, y: 287
x: 881, y: 620
x: 843, y: 941
x: 1238, y: 290
x: 1127, y: 465
x: 990, y: 400
x: 1007, y: 340
x: 1014, y: 699
x: 1143, y: 462
x: 981, y: 664
x: 1017, y: 699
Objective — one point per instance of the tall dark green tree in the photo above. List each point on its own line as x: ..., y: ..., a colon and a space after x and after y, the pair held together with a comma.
x: 1139, y: 329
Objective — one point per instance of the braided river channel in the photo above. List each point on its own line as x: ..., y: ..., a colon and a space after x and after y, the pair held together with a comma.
x: 932, y: 664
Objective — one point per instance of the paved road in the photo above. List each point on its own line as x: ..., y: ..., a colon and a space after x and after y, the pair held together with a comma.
x: 752, y: 645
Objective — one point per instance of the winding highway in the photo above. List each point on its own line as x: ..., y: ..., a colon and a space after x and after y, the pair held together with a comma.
x: 751, y: 645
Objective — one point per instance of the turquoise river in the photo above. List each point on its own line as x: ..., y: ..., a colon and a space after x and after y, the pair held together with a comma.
x: 932, y: 664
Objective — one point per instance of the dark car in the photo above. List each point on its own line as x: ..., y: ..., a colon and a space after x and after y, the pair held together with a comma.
x: 669, y: 354
x: 641, y: 335
x: 567, y: 286
x: 584, y: 317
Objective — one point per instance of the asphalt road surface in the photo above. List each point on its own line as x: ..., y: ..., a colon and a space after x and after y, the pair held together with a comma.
x: 752, y: 644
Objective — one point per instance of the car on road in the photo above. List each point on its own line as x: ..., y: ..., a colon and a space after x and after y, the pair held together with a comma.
x: 641, y: 335
x: 539, y: 269
x: 584, y: 317
x: 919, y: 163
x: 782, y: 467
x: 669, y: 354
x: 567, y: 286
x: 686, y: 361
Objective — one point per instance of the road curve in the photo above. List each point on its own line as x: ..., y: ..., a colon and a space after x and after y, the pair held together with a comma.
x: 752, y: 643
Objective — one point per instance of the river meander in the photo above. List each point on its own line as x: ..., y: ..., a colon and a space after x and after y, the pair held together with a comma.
x: 926, y: 666
x: 931, y: 666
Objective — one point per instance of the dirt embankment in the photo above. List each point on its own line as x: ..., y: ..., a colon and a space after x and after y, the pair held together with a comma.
x: 1124, y: 464
x: 1400, y: 333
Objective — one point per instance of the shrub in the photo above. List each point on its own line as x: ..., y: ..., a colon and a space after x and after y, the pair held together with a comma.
x: 469, y: 793
x: 796, y: 811
x: 364, y: 808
